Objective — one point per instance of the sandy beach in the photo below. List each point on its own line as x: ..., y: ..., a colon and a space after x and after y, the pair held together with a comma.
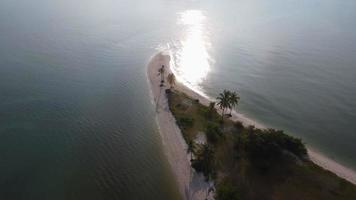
x: 191, y: 184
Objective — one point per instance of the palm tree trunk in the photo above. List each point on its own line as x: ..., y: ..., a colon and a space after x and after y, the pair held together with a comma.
x: 222, y: 114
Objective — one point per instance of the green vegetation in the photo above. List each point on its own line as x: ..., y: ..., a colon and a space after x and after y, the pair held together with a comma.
x: 227, y: 191
x: 185, y: 122
x: 171, y: 79
x: 251, y: 163
x: 213, y: 132
x: 204, y: 161
x: 227, y: 100
x: 224, y: 102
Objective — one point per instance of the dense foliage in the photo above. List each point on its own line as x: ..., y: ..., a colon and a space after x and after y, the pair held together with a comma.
x: 251, y: 163
x: 226, y: 191
x: 267, y: 147
x: 204, y: 161
x: 213, y: 132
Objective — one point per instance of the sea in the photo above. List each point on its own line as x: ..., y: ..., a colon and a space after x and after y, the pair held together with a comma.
x: 76, y: 114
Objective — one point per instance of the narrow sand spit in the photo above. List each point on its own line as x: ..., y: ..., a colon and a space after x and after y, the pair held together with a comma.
x: 191, y: 184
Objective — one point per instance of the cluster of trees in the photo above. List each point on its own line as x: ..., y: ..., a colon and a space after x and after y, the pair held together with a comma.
x: 267, y: 147
x: 171, y: 79
x: 266, y: 151
x: 203, y: 162
x: 213, y: 132
x: 227, y: 100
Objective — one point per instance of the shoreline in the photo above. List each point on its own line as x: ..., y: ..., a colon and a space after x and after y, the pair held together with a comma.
x: 191, y: 185
x: 316, y: 157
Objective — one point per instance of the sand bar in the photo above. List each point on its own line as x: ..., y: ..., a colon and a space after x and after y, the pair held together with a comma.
x: 191, y: 184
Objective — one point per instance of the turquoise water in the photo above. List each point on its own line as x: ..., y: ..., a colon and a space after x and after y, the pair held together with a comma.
x: 75, y: 110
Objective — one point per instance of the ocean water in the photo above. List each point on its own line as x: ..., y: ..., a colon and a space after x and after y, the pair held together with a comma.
x: 76, y: 116
x: 293, y: 63
x: 75, y: 109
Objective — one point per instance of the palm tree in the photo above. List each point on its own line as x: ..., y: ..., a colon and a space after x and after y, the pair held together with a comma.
x: 211, y: 106
x: 171, y: 79
x: 191, y: 148
x: 204, y: 160
x: 161, y: 72
x: 234, y: 100
x: 211, y: 109
x: 207, y: 155
x: 224, y: 101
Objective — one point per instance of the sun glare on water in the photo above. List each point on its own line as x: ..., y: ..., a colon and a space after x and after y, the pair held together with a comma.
x: 192, y: 56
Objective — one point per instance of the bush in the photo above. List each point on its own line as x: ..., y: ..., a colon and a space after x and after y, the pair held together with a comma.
x: 213, y: 132
x: 289, y: 143
x: 265, y: 147
x: 185, y: 122
x: 238, y: 125
x: 204, y: 161
x: 226, y: 191
x: 205, y: 112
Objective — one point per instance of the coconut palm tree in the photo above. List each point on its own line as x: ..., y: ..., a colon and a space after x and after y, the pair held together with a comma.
x: 171, y: 79
x: 234, y: 99
x: 211, y: 109
x: 211, y: 106
x: 207, y: 155
x: 224, y: 101
x: 161, y: 72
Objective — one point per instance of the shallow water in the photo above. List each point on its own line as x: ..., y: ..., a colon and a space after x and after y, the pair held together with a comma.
x: 75, y: 110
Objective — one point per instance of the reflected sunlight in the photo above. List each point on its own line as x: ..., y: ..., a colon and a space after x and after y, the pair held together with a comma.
x: 192, y: 57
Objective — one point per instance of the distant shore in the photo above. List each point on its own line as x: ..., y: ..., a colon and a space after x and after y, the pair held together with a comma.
x: 175, y: 144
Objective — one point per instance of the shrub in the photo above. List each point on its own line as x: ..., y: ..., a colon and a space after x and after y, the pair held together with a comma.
x: 205, y: 112
x: 265, y: 147
x: 289, y: 143
x: 213, y: 132
x: 226, y: 191
x: 204, y: 161
x: 238, y: 125
x: 185, y: 122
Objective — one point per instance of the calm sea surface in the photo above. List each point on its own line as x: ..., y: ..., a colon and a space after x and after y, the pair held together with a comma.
x: 75, y: 109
